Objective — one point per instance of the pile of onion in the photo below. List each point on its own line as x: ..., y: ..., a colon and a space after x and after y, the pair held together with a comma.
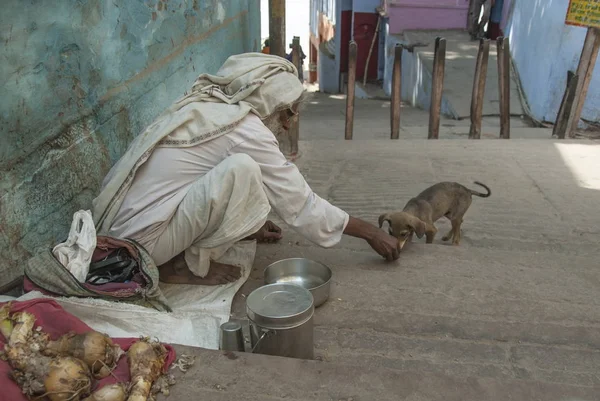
x: 63, y: 370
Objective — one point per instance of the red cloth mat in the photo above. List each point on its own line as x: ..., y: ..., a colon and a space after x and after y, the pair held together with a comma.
x: 55, y: 321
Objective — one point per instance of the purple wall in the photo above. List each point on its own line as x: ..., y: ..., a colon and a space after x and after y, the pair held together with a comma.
x: 427, y: 14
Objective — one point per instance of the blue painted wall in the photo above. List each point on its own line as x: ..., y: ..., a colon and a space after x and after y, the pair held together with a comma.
x: 365, y: 6
x: 79, y: 80
x: 416, y: 77
x: 544, y: 49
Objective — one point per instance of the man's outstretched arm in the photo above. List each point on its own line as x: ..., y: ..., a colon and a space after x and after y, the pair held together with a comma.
x: 295, y: 202
x: 381, y: 242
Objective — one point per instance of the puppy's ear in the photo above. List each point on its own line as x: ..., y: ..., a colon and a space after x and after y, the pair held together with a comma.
x: 383, y: 218
x: 418, y: 226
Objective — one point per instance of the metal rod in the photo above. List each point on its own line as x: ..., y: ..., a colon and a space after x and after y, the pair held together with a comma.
x: 479, y: 89
x: 503, y: 48
x: 352, y: 56
x: 437, y: 87
x: 375, y: 35
x: 396, y: 92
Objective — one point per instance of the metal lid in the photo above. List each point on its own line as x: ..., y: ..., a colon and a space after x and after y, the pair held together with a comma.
x: 280, y: 306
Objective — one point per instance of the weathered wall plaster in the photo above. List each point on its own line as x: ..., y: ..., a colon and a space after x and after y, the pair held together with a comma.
x: 79, y: 80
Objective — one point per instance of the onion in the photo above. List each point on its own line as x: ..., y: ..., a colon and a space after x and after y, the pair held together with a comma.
x: 146, y: 361
x: 113, y: 392
x: 95, y: 349
x: 23, y: 323
x: 59, y: 379
x: 6, y: 324
x: 68, y: 379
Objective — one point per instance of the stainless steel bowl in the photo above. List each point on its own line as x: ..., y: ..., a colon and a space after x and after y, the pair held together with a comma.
x: 314, y: 276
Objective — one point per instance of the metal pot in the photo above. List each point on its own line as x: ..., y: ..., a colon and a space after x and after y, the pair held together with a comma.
x: 310, y: 274
x: 281, y: 321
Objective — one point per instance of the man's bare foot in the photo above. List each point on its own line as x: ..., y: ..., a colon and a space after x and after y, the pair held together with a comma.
x: 176, y: 271
x: 269, y: 232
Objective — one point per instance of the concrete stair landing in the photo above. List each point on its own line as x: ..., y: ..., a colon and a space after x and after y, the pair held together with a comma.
x: 461, y: 55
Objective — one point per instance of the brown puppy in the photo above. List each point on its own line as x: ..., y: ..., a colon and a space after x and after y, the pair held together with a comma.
x: 448, y: 199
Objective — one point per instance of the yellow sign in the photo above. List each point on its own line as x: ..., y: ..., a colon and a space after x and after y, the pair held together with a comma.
x: 584, y: 13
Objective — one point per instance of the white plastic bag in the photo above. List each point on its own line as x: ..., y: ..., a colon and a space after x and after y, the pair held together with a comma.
x: 76, y: 252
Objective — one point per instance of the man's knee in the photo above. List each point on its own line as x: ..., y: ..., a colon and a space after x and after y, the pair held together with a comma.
x: 242, y: 163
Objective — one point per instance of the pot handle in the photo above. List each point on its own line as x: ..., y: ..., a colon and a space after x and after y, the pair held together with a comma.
x: 264, y: 334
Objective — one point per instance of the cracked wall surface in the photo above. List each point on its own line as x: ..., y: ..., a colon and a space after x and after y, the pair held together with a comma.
x: 79, y: 80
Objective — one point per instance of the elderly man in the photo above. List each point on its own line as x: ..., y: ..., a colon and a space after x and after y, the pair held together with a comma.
x: 207, y: 172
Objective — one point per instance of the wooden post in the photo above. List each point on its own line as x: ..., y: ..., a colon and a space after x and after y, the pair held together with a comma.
x: 479, y: 88
x: 396, y: 92
x: 566, y: 107
x: 587, y: 61
x: 503, y: 48
x: 352, y: 56
x: 277, y: 27
x: 437, y: 86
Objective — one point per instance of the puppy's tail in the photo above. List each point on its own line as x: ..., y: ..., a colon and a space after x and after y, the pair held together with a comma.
x: 489, y: 192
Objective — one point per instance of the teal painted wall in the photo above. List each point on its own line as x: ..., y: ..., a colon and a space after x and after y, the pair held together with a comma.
x: 79, y: 80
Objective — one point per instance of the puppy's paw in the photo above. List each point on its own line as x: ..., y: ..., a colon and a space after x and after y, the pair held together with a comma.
x: 446, y: 237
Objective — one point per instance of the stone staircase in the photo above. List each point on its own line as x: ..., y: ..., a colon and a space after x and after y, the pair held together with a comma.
x: 511, y: 313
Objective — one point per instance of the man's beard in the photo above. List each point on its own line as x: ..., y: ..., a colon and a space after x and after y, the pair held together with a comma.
x: 274, y: 124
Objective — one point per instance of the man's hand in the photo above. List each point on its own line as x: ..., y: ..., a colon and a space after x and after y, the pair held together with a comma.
x: 385, y: 245
x: 269, y: 232
x: 381, y: 242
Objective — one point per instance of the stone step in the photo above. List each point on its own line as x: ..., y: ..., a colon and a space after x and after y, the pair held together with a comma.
x: 512, y: 313
x: 536, y: 312
x: 219, y: 376
x: 486, y: 359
